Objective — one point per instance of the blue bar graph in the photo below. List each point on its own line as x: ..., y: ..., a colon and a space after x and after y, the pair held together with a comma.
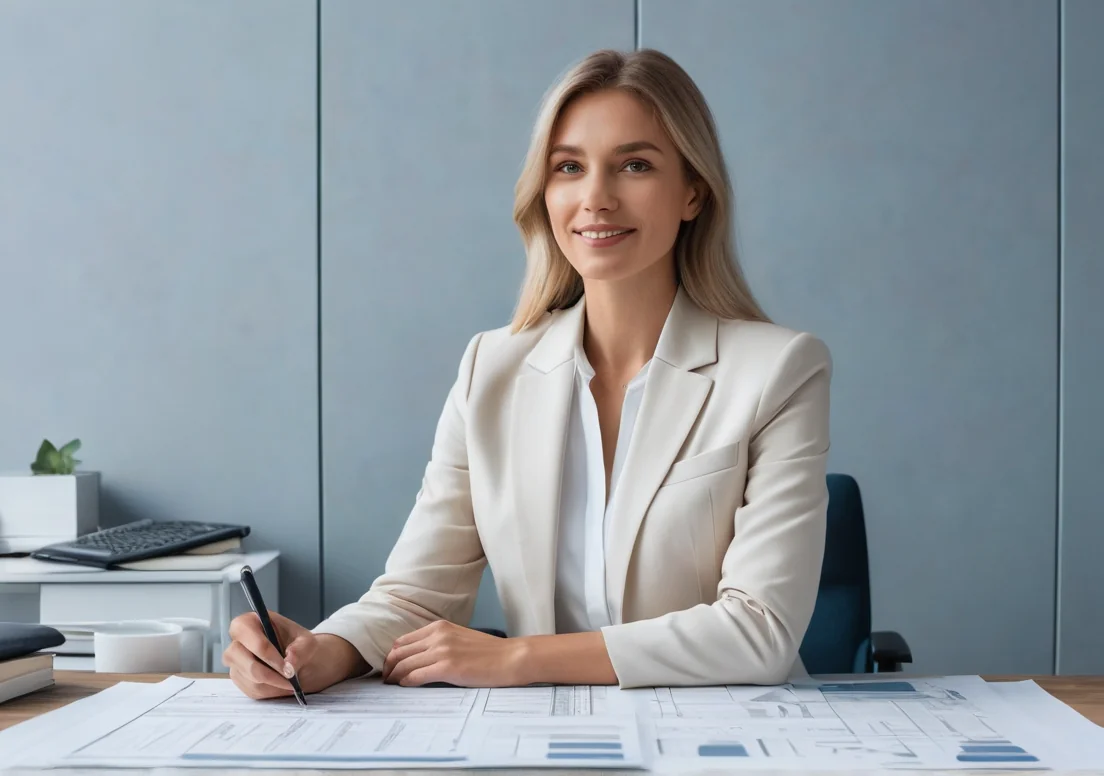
x: 997, y: 758
x: 722, y: 750
x: 1001, y: 752
x: 832, y: 687
x: 585, y: 750
x: 584, y: 745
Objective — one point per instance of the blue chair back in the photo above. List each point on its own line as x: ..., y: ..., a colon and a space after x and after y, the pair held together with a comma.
x: 838, y: 638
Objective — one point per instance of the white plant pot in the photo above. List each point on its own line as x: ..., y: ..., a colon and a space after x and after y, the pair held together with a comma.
x: 36, y: 510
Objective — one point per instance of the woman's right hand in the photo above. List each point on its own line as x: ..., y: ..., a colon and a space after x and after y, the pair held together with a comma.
x: 258, y: 670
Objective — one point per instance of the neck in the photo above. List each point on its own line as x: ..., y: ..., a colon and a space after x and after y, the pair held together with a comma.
x: 625, y: 318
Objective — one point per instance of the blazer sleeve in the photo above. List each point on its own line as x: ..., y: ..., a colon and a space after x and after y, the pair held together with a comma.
x: 771, y: 571
x: 433, y: 571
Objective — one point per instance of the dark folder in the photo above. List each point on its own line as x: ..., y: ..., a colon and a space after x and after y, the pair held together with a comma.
x: 22, y: 638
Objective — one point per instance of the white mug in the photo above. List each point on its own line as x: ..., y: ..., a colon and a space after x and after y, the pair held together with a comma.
x: 137, y: 646
x: 193, y: 643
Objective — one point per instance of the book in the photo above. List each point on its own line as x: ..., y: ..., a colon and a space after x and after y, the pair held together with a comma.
x: 22, y: 675
x: 10, y: 669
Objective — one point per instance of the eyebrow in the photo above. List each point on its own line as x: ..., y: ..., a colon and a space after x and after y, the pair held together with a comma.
x: 627, y: 148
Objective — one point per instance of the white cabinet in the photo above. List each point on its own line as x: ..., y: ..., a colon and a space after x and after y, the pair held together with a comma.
x: 67, y: 594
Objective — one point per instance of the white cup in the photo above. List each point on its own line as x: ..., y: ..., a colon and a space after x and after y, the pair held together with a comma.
x: 193, y: 643
x: 137, y: 646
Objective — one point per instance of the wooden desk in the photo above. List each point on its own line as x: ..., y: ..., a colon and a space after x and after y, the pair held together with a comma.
x: 1082, y: 693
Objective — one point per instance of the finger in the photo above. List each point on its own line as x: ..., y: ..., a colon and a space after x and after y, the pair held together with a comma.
x: 237, y: 657
x: 287, y: 629
x: 398, y: 654
x: 239, y: 625
x: 411, y: 637
x: 255, y: 691
x: 299, y: 652
x: 418, y: 660
x: 280, y: 621
x: 252, y: 637
x: 419, y: 676
x: 252, y: 670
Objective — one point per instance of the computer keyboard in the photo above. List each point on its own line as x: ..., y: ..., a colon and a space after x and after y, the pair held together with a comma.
x: 137, y: 541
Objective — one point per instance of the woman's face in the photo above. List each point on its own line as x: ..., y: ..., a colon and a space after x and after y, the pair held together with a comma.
x: 612, y: 168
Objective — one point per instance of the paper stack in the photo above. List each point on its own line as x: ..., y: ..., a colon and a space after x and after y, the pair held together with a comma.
x: 948, y: 723
x: 21, y: 669
x: 217, y: 555
x: 22, y: 675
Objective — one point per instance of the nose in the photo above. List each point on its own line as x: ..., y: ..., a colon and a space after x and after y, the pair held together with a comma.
x: 599, y: 193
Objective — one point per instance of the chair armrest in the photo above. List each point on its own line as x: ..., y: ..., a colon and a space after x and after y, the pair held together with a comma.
x: 492, y: 632
x: 888, y: 650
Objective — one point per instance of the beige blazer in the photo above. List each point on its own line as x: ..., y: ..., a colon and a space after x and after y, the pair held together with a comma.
x: 715, y: 544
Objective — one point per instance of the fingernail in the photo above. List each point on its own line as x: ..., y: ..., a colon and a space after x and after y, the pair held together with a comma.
x: 288, y: 670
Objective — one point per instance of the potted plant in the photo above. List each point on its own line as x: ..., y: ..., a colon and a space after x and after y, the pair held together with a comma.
x: 54, y: 503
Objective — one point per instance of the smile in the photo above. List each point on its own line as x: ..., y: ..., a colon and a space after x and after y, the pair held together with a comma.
x: 605, y: 239
x: 604, y: 235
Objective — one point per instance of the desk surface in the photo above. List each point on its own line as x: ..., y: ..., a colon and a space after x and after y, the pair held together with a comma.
x: 1083, y: 693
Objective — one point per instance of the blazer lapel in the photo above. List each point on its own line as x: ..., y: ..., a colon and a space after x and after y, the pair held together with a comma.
x: 538, y: 433
x: 673, y: 398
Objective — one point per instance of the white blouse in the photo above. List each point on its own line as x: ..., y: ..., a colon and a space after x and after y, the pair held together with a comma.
x: 581, y: 602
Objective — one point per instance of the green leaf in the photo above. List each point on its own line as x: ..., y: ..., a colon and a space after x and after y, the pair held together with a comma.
x: 71, y: 448
x: 50, y: 460
x: 68, y: 462
x: 44, y: 450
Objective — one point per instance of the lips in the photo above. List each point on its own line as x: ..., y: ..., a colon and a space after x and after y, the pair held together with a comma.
x: 603, y: 228
x: 604, y: 238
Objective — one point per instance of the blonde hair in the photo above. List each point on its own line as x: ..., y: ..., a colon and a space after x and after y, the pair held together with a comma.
x: 705, y: 252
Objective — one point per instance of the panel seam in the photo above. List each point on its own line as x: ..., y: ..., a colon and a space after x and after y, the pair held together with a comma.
x: 318, y: 299
x: 1060, y: 463
x: 636, y: 24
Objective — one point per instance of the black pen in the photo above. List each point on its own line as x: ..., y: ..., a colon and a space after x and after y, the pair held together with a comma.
x: 256, y: 602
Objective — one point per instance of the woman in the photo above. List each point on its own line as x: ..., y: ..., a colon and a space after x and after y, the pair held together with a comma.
x: 640, y: 456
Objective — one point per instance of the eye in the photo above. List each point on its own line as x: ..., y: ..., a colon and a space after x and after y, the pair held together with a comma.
x: 561, y: 167
x: 640, y: 162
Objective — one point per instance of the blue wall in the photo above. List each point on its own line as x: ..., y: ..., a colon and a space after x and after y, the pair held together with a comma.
x: 159, y: 259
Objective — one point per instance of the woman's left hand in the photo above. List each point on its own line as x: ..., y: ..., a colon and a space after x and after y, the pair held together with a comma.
x: 445, y: 652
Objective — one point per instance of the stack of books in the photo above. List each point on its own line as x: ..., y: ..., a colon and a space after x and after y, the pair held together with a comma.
x: 23, y: 668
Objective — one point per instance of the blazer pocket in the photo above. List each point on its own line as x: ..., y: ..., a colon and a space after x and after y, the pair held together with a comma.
x: 711, y: 461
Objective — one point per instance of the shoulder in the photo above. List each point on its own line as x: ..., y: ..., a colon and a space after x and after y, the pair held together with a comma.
x: 766, y: 347
x: 495, y: 354
x: 773, y: 363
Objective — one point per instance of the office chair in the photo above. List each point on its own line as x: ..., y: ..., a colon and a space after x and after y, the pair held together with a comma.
x: 839, y: 640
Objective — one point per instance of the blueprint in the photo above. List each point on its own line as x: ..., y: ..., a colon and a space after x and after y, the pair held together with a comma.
x: 883, y: 724
x: 359, y: 724
x: 858, y: 724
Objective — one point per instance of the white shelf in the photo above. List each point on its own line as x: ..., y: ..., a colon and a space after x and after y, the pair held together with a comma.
x: 34, y: 591
x: 31, y: 571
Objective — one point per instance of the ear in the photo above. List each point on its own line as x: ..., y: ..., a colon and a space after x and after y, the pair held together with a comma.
x: 694, y: 202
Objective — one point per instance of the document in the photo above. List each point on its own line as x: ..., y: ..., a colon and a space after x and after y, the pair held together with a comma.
x: 878, y: 723
x: 870, y: 724
x: 359, y: 724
